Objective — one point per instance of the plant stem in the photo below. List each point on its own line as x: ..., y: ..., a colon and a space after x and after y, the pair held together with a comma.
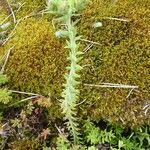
x: 70, y: 93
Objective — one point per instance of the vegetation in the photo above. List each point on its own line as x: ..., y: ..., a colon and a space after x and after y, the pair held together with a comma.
x: 74, y: 75
x: 120, y: 57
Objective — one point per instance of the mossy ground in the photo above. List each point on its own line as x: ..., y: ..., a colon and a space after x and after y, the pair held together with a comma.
x: 28, y: 7
x: 2, y: 15
x: 26, y: 144
x: 37, y: 63
x: 38, y: 58
x: 122, y: 57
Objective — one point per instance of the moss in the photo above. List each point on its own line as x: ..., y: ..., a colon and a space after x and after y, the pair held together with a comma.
x: 122, y: 57
x: 29, y: 7
x: 3, y: 15
x: 38, y: 59
x: 4, y: 5
x: 37, y: 64
x: 26, y: 144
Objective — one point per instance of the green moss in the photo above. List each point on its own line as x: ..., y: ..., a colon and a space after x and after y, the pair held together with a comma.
x: 38, y: 59
x: 29, y: 7
x: 122, y: 57
x: 26, y: 144
x: 2, y: 15
x: 37, y: 64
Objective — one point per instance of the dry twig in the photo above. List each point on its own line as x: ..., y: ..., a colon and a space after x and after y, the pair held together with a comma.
x: 111, y: 85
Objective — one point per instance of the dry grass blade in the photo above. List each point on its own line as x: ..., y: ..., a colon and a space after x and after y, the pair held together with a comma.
x: 111, y: 85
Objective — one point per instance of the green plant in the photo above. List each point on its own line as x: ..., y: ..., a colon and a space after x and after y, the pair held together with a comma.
x: 117, y: 33
x: 142, y: 136
x: 65, y: 10
x: 136, y: 140
x: 120, y: 57
x: 94, y: 135
x: 4, y: 93
x: 115, y: 137
x: 30, y: 144
x: 62, y: 143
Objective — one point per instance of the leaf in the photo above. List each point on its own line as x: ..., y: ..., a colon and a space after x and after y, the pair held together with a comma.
x: 5, y: 96
x: 120, y: 144
x: 3, y: 79
x: 61, y: 33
